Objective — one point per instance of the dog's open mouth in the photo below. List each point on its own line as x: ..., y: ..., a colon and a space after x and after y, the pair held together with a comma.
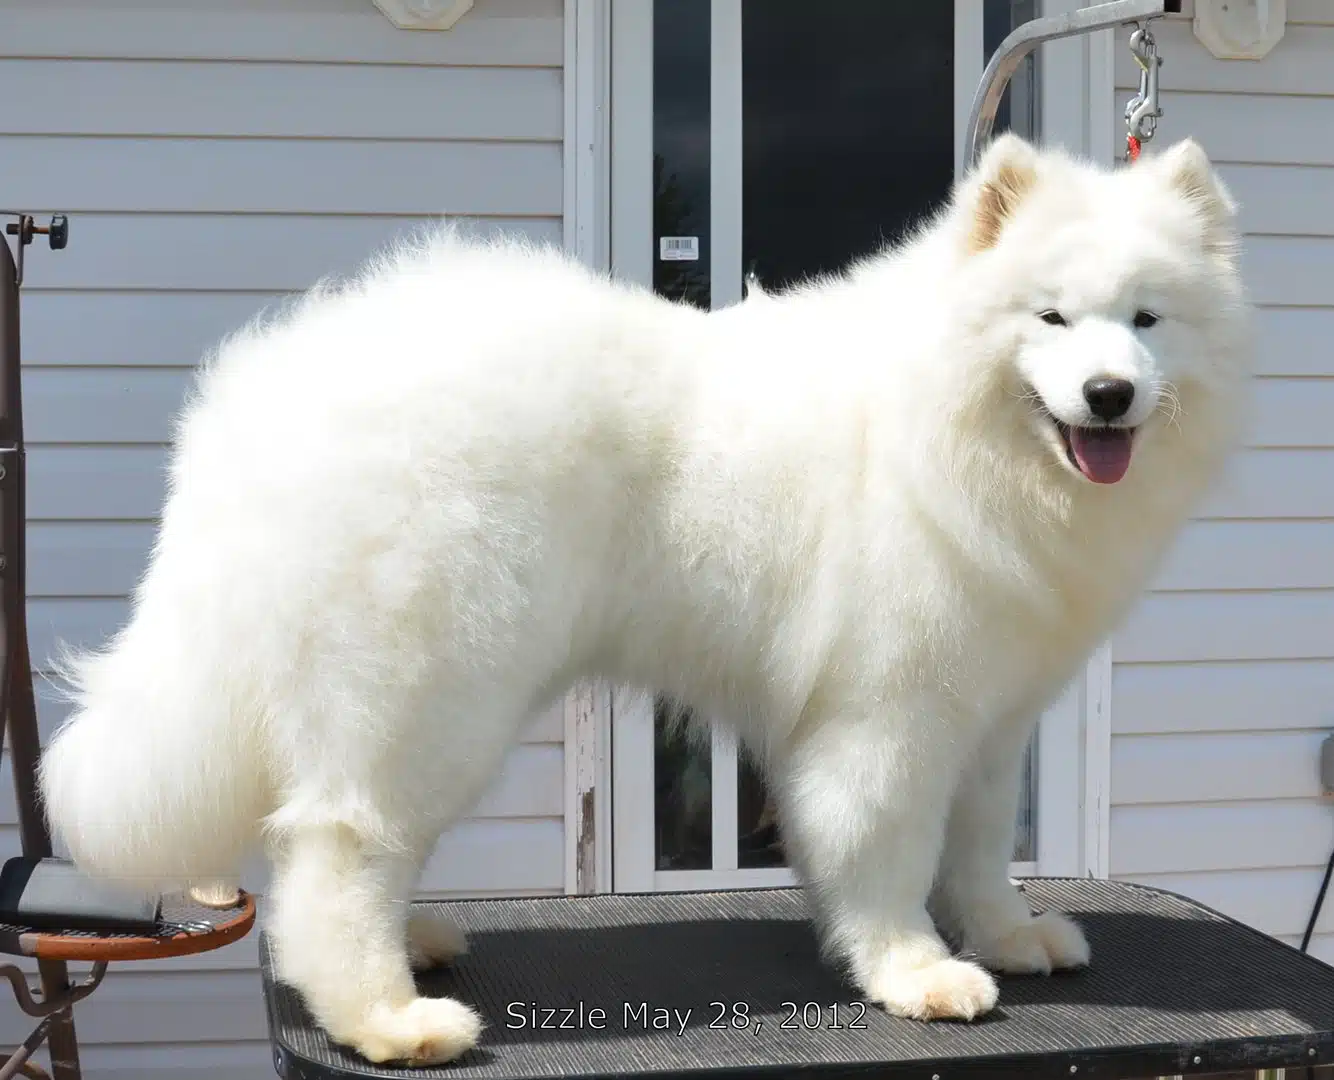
x: 1102, y: 454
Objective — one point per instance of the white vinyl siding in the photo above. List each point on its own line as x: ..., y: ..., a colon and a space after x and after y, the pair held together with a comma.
x: 1223, y: 679
x: 213, y: 156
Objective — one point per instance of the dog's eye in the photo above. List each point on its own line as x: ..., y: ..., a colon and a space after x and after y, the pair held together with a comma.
x: 1052, y: 317
x: 1145, y: 319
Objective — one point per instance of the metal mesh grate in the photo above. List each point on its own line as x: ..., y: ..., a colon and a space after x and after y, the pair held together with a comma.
x: 1171, y: 982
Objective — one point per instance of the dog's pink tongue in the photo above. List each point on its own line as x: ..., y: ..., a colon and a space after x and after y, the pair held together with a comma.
x: 1103, y: 454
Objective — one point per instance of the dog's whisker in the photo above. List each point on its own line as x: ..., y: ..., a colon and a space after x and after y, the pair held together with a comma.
x: 1169, y: 401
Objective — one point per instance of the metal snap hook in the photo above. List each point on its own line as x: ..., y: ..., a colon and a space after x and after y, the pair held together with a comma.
x: 1143, y: 110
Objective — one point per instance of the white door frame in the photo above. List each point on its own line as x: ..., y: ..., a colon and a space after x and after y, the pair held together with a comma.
x: 586, y: 152
x: 1078, y: 91
x: 608, y: 223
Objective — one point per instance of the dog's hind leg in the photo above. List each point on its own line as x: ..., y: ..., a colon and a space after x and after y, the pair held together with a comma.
x: 339, y: 926
x: 433, y: 940
x: 864, y: 801
x: 974, y: 896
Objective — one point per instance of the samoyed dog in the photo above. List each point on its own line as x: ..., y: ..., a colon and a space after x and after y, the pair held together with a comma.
x: 876, y: 523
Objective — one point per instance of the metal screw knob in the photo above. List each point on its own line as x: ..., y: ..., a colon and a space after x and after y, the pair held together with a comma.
x: 58, y: 232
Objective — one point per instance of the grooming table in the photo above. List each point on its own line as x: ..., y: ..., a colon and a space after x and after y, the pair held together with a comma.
x: 1174, y: 988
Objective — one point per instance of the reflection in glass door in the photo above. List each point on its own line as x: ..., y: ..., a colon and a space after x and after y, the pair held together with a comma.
x: 787, y: 138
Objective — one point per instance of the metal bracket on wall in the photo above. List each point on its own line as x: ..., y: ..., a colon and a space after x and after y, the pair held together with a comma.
x: 424, y: 14
x: 1240, y: 29
x: 1024, y: 39
x: 26, y: 228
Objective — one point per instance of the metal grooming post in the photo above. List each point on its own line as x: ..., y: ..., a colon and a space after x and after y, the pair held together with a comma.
x: 1024, y: 39
x: 19, y: 712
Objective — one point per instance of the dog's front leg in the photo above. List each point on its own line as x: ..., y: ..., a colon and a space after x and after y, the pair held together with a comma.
x: 974, y: 895
x: 863, y: 803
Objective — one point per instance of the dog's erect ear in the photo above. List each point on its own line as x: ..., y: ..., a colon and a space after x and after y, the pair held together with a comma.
x: 1188, y: 171
x: 1004, y: 175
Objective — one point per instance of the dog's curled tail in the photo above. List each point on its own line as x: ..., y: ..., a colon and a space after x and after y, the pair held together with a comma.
x: 155, y: 780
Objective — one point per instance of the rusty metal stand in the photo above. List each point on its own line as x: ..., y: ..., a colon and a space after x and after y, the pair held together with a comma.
x: 18, y: 711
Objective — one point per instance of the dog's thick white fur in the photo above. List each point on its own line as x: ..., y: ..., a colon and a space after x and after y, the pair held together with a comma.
x: 855, y: 520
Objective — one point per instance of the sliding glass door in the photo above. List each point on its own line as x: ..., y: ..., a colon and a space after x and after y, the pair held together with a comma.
x: 774, y: 138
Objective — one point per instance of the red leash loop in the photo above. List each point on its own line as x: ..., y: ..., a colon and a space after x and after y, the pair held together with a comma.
x: 1132, y: 148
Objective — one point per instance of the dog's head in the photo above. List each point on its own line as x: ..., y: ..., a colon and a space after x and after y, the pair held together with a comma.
x: 1112, y: 299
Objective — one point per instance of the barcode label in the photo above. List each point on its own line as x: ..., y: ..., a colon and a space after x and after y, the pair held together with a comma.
x: 678, y: 248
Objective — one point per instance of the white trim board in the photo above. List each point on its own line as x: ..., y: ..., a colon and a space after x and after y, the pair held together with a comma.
x: 725, y: 161
x: 587, y: 72
x: 1074, y: 811
x: 587, y: 234
x: 969, y: 63
x: 634, y: 847
x: 630, y: 89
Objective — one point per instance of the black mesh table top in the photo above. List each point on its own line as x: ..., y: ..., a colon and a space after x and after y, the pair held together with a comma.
x: 1174, y: 988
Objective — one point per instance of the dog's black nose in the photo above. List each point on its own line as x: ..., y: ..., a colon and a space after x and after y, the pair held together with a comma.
x: 1109, y: 399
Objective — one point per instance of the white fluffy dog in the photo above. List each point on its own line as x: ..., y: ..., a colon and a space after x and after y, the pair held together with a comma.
x: 876, y: 523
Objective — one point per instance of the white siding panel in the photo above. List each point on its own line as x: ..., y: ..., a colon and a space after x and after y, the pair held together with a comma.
x: 162, y: 329
x: 1274, y: 484
x: 496, y: 33
x: 1268, y: 129
x: 1282, y: 199
x: 295, y: 176
x: 1295, y: 340
x: 278, y: 99
x: 103, y: 405
x: 191, y: 1007
x: 54, y: 624
x: 1291, y: 270
x: 74, y: 483
x: 1191, y: 767
x: 1292, y: 412
x: 257, y: 252
x: 1251, y: 555
x: 1279, y: 834
x: 1266, y: 695
x: 1313, y: 12
x: 102, y: 559
x: 237, y: 1060
x: 497, y: 856
x: 547, y: 727
x: 1166, y: 627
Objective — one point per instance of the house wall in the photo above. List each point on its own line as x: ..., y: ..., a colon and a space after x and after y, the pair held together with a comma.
x: 214, y: 155
x: 1223, y: 678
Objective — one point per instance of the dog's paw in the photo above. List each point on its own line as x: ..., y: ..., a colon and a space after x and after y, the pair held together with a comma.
x: 1046, y: 943
x: 433, y: 940
x: 425, y: 1031
x: 946, y: 989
